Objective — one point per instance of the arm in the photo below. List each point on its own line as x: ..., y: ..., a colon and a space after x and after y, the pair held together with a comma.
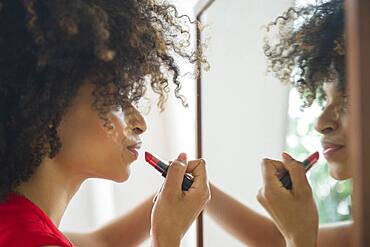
x: 254, y: 229
x: 128, y: 230
x: 251, y: 228
x: 338, y: 234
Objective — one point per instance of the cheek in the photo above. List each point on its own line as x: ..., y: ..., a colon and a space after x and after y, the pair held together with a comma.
x: 118, y: 134
x: 88, y: 148
x: 345, y: 125
x: 119, y: 137
x: 343, y: 168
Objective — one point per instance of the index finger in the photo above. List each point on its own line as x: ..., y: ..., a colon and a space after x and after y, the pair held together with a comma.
x: 270, y: 170
x: 175, y: 174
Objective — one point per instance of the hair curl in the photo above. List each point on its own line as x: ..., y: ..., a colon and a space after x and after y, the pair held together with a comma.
x: 305, y: 48
x: 49, y: 48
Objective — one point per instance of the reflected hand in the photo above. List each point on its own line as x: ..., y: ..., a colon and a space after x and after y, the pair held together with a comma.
x: 293, y: 211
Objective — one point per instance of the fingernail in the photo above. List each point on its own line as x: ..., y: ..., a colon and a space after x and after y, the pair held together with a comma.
x: 182, y: 157
x: 287, y: 156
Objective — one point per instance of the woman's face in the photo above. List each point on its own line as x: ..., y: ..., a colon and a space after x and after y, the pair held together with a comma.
x: 89, y: 149
x: 333, y: 125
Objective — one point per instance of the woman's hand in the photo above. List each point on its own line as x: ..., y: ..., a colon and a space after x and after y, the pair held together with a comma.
x: 175, y: 210
x: 294, y: 211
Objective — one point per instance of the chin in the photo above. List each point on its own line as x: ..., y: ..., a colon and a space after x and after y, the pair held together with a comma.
x: 122, y: 177
x: 339, y: 171
x: 120, y: 180
x: 118, y: 176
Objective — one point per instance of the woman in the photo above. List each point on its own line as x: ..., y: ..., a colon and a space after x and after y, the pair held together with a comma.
x: 309, y: 54
x: 70, y: 75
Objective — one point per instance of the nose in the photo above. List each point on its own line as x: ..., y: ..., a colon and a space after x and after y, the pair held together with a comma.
x: 137, y: 122
x: 327, y: 122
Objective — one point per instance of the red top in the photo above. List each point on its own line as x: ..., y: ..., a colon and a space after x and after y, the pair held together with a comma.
x: 24, y: 224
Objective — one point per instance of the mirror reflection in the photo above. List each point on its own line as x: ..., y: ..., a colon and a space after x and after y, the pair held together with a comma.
x: 298, y: 106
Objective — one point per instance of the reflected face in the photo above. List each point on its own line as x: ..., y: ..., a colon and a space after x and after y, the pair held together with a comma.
x: 89, y: 149
x: 333, y: 125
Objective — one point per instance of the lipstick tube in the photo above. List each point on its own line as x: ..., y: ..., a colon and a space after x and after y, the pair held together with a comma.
x: 307, y: 163
x: 162, y: 167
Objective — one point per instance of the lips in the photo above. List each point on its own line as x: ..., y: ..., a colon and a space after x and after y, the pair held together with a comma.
x: 329, y: 149
x: 134, y: 149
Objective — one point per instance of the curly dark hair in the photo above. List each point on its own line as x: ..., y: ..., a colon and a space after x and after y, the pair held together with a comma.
x: 305, y: 48
x: 49, y: 48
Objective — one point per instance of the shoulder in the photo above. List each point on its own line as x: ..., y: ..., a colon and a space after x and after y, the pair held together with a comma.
x: 22, y: 227
x: 16, y: 211
x: 24, y: 224
x: 17, y: 218
x: 28, y: 238
x: 338, y: 234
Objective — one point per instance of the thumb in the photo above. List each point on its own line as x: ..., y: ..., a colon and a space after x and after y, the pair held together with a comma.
x: 287, y: 157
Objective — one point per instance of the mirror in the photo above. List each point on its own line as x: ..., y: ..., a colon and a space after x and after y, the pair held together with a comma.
x: 248, y: 115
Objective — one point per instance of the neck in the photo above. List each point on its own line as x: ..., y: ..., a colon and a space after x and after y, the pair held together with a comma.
x: 51, y: 189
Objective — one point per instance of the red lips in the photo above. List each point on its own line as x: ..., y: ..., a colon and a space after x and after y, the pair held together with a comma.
x: 330, y: 148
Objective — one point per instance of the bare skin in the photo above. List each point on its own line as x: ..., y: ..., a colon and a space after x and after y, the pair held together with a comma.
x: 89, y: 151
x: 285, y: 207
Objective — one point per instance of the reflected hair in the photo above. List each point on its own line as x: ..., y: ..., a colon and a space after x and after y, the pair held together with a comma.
x: 305, y: 48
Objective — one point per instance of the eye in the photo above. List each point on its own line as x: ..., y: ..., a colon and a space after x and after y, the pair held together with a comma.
x: 117, y: 111
x: 116, y: 108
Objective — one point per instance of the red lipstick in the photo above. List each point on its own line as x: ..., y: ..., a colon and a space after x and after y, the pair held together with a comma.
x: 307, y: 164
x: 163, y: 167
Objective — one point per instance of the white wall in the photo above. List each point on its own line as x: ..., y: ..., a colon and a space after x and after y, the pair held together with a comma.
x: 245, y: 111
